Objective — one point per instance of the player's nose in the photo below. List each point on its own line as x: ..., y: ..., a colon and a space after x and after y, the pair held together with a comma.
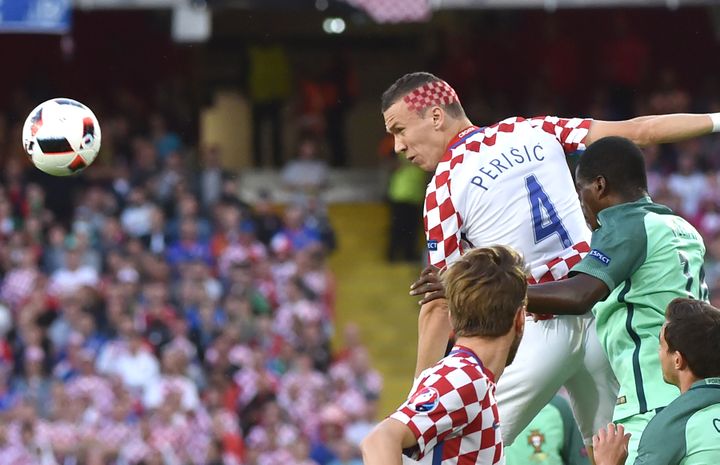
x: 400, y: 146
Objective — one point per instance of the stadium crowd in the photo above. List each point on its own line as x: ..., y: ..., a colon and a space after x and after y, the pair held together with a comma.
x: 153, y: 317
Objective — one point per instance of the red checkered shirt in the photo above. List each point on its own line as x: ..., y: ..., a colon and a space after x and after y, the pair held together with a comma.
x: 509, y: 184
x: 453, y: 413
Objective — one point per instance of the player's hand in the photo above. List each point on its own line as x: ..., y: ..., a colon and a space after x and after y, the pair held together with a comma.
x: 610, y: 447
x: 428, y: 285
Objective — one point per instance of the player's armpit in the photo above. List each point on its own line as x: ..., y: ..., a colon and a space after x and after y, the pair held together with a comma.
x: 573, y: 296
x: 385, y: 443
x: 647, y: 130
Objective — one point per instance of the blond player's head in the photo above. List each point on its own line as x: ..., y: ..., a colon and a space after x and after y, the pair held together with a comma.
x: 423, y: 113
x: 487, y: 291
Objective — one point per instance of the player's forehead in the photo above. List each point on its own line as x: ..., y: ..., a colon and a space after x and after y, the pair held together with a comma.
x: 399, y: 115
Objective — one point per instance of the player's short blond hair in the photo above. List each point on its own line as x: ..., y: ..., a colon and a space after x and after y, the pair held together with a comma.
x: 484, y: 290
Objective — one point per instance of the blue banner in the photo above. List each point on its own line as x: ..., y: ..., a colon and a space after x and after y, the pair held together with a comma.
x: 35, y: 16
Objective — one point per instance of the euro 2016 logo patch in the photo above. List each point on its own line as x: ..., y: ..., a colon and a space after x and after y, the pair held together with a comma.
x: 425, y: 400
x: 599, y: 256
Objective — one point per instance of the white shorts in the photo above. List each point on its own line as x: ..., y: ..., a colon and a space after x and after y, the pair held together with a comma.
x: 563, y: 351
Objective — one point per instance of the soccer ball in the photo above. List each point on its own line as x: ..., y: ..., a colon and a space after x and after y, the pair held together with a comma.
x: 61, y: 136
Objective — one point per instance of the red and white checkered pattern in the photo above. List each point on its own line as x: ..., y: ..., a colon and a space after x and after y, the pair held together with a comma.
x: 430, y: 94
x: 500, y: 212
x: 394, y: 11
x: 571, y: 132
x: 458, y: 410
x: 558, y: 268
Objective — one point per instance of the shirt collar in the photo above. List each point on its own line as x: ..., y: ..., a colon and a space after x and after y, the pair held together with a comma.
x: 642, y: 200
x: 459, y: 349
x: 455, y: 141
x: 711, y: 382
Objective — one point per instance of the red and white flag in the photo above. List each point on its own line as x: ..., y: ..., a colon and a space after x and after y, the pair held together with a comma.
x: 394, y: 11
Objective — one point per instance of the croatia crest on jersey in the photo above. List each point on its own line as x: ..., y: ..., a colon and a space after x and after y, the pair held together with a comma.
x: 424, y: 400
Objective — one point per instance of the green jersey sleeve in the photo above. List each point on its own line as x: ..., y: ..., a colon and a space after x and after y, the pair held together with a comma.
x: 618, y: 248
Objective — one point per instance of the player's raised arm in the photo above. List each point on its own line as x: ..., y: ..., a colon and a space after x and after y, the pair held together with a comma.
x: 385, y: 443
x: 572, y: 296
x: 648, y: 130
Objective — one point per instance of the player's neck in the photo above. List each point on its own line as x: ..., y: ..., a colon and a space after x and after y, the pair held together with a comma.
x: 686, y: 380
x: 457, y: 126
x: 493, y: 353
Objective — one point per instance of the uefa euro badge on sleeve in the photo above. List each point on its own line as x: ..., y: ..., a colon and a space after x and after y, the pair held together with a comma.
x: 425, y: 400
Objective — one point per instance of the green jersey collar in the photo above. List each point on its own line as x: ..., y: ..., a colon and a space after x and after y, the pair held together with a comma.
x: 709, y: 382
x: 646, y: 200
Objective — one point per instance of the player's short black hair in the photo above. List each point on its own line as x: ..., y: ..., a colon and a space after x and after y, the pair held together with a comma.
x: 410, y: 82
x: 693, y: 329
x: 619, y: 161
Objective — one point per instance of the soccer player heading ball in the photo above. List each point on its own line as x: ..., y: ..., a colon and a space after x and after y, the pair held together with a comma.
x: 508, y: 183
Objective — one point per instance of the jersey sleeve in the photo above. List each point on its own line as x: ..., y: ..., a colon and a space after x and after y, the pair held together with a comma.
x: 617, y: 250
x: 441, y: 405
x: 661, y: 443
x: 442, y: 223
x: 570, y: 132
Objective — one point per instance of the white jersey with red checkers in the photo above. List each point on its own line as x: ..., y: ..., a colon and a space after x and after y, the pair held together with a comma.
x: 453, y: 413
x: 510, y: 184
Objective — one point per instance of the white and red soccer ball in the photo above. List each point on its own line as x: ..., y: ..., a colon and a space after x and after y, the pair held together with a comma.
x: 61, y: 136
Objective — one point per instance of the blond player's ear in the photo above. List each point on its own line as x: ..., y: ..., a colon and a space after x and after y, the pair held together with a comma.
x: 520, y: 319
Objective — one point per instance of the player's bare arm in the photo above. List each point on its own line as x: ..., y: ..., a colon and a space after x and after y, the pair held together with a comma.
x: 648, y: 130
x: 433, y: 323
x: 433, y: 330
x: 385, y: 443
x: 573, y: 296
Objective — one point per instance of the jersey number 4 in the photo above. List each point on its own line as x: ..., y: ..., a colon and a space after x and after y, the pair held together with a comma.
x: 546, y: 221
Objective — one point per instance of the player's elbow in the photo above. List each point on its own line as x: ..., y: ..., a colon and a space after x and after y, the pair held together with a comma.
x: 372, y: 443
x: 642, y: 132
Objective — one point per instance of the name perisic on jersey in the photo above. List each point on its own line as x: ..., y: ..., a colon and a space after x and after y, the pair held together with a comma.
x: 503, y: 162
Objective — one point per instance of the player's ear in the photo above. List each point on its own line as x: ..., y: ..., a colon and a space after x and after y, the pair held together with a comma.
x: 519, y: 322
x: 679, y: 361
x: 600, y: 186
x: 438, y: 117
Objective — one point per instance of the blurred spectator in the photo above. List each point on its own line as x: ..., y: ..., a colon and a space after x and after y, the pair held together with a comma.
x: 269, y: 87
x: 406, y: 193
x: 166, y: 142
x: 211, y: 176
x: 267, y: 221
x: 340, y: 89
x: 69, y: 278
x: 156, y: 240
x: 688, y: 183
x: 306, y: 174
x: 295, y: 231
x: 136, y: 217
x: 20, y: 280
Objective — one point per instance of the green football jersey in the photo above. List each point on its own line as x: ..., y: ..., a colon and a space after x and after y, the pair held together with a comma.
x: 686, y: 432
x: 551, y: 438
x: 647, y: 256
